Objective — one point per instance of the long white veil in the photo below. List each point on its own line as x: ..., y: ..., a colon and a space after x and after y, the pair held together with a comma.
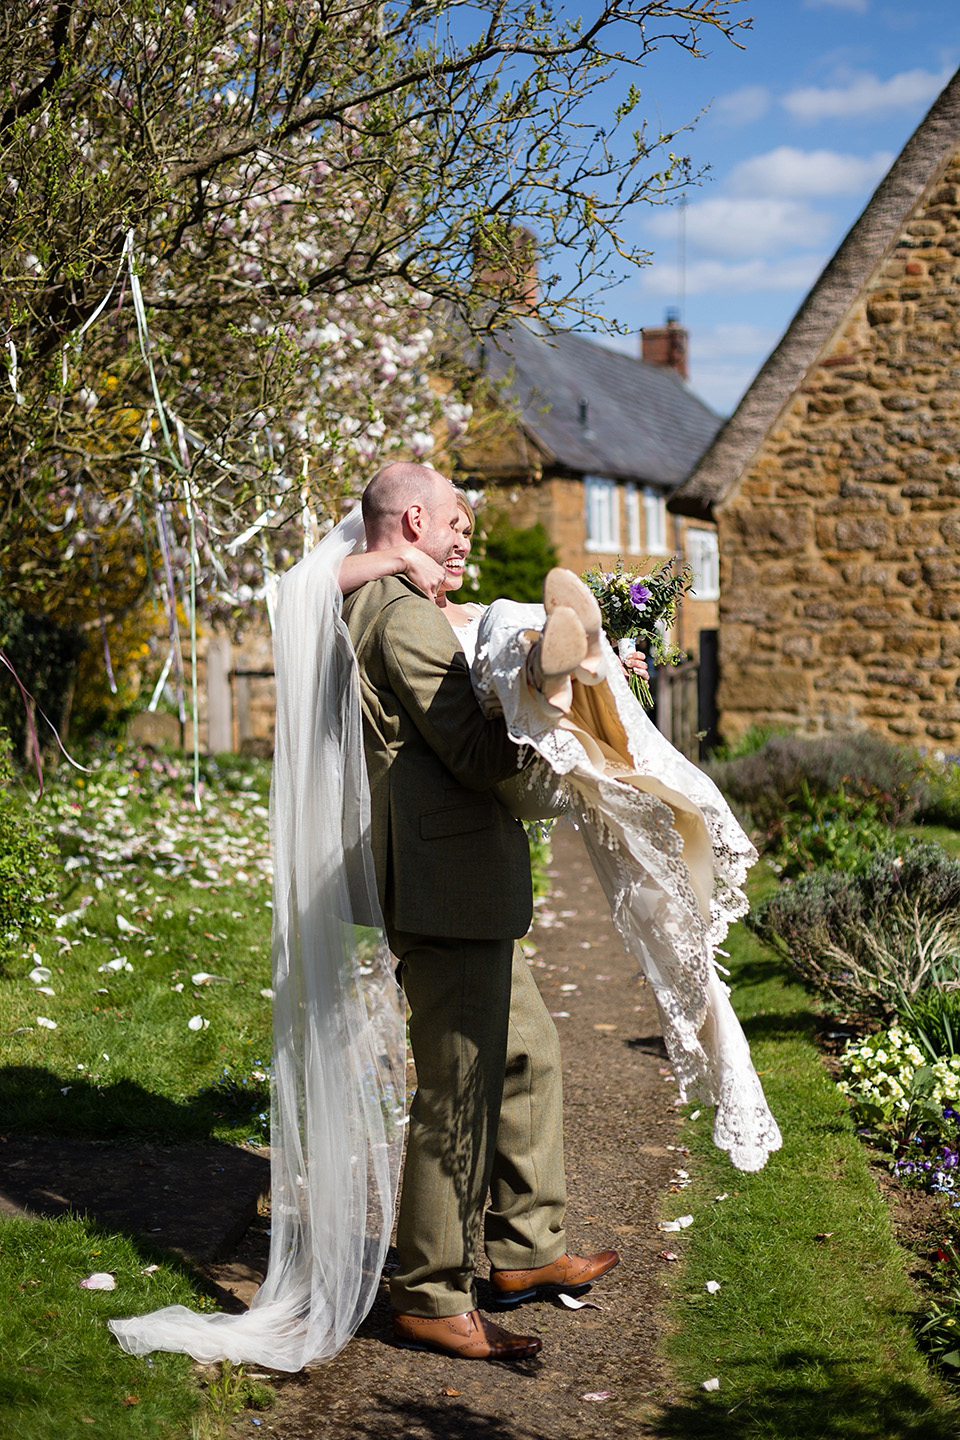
x: 339, y: 1064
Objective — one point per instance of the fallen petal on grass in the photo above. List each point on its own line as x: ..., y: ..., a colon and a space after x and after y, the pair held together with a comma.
x: 712, y: 1286
x: 671, y: 1226
x: 711, y: 1384
x: 99, y: 1280
x: 197, y: 1022
x: 39, y: 974
x: 45, y: 1023
x: 597, y: 1395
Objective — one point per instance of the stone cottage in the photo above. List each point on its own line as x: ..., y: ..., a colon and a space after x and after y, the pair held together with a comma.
x: 835, y: 486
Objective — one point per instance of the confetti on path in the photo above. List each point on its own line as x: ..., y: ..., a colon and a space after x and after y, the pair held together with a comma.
x: 671, y: 1226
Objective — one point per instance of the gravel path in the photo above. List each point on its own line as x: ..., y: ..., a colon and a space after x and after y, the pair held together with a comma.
x: 621, y: 1133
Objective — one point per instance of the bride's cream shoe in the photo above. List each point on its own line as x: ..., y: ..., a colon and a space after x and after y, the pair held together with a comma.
x: 558, y: 652
x: 563, y: 589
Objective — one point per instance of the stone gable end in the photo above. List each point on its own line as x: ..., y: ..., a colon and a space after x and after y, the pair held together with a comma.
x: 840, y: 551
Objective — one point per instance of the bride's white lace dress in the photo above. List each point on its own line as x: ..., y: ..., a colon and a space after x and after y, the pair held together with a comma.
x: 668, y: 852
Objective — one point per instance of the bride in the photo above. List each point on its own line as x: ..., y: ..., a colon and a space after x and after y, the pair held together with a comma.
x: 670, y: 857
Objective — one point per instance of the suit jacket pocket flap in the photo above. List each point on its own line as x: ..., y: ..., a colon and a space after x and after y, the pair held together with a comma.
x: 458, y: 820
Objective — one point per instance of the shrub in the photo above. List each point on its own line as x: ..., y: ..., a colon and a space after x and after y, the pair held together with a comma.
x: 868, y: 939
x: 769, y: 781
x: 940, y: 800
x: 836, y: 830
x: 27, y: 878
x: 753, y: 739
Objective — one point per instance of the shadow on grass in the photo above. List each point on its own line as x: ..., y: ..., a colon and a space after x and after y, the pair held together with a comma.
x: 93, y: 1151
x: 37, y: 1101
x: 833, y: 1407
x: 785, y: 1025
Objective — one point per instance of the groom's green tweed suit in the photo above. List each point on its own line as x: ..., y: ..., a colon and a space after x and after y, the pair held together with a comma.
x: 450, y: 860
x: 453, y: 874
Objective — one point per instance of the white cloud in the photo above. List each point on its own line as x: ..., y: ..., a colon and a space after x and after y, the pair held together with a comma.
x: 742, y: 107
x: 787, y: 171
x: 732, y: 339
x: 724, y: 359
x: 866, y: 95
x: 720, y: 277
x: 733, y: 226
x: 859, y: 7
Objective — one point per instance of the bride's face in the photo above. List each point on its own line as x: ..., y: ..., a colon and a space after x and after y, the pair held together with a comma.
x: 455, y: 563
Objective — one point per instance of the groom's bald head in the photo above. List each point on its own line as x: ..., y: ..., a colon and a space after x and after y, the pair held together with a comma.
x: 396, y: 490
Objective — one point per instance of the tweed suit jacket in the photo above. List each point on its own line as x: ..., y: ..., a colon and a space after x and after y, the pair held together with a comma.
x: 450, y: 860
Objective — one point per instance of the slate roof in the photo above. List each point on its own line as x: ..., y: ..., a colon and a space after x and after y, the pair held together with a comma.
x: 643, y: 423
x: 920, y: 164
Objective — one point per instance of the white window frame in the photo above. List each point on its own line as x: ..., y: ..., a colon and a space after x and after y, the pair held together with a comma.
x: 703, y: 554
x: 655, y: 520
x: 603, y: 515
x: 634, y: 531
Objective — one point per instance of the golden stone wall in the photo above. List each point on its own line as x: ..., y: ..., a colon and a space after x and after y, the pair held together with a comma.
x: 840, y: 552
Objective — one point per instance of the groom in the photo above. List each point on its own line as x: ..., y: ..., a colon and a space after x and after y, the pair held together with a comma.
x: 453, y: 875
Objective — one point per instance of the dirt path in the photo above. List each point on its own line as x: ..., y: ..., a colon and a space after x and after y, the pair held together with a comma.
x: 621, y: 1127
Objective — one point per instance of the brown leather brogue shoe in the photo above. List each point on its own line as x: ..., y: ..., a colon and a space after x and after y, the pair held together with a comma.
x: 569, y: 1274
x: 470, y: 1337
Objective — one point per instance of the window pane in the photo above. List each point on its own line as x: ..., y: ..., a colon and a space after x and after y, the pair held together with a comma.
x: 603, y: 515
x: 704, y: 557
x: 655, y: 517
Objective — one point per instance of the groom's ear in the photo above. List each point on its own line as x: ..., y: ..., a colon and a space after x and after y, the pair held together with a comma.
x: 412, y: 522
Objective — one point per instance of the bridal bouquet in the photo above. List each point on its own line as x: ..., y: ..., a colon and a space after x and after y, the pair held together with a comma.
x: 638, y: 611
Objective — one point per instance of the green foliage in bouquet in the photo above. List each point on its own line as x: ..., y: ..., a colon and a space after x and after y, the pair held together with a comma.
x: 642, y: 608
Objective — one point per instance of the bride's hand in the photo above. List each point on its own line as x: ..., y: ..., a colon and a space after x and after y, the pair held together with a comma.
x: 635, y: 664
x: 425, y: 572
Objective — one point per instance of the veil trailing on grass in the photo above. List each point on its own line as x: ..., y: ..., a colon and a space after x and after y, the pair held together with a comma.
x: 337, y: 1107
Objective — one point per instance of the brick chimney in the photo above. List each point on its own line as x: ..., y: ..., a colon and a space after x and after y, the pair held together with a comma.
x: 506, y: 266
x: 666, y: 345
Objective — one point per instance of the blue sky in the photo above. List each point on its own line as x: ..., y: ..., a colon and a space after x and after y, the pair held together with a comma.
x: 802, y: 124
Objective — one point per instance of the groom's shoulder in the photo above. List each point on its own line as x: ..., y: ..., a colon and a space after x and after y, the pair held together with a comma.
x: 393, y: 603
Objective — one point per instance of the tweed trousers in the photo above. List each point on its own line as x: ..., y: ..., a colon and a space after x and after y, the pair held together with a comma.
x: 486, y: 1119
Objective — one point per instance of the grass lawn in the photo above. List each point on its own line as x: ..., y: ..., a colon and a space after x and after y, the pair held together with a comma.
x: 810, y: 1332
x: 154, y: 983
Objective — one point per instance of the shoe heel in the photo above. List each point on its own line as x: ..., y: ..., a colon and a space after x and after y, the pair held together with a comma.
x: 506, y: 1302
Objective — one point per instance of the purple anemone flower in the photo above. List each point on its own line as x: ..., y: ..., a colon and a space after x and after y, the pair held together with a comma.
x: 639, y: 595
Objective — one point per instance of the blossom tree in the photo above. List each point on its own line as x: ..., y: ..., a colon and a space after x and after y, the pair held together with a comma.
x: 236, y: 237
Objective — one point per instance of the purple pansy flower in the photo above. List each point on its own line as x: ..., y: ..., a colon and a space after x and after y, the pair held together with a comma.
x: 639, y: 595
